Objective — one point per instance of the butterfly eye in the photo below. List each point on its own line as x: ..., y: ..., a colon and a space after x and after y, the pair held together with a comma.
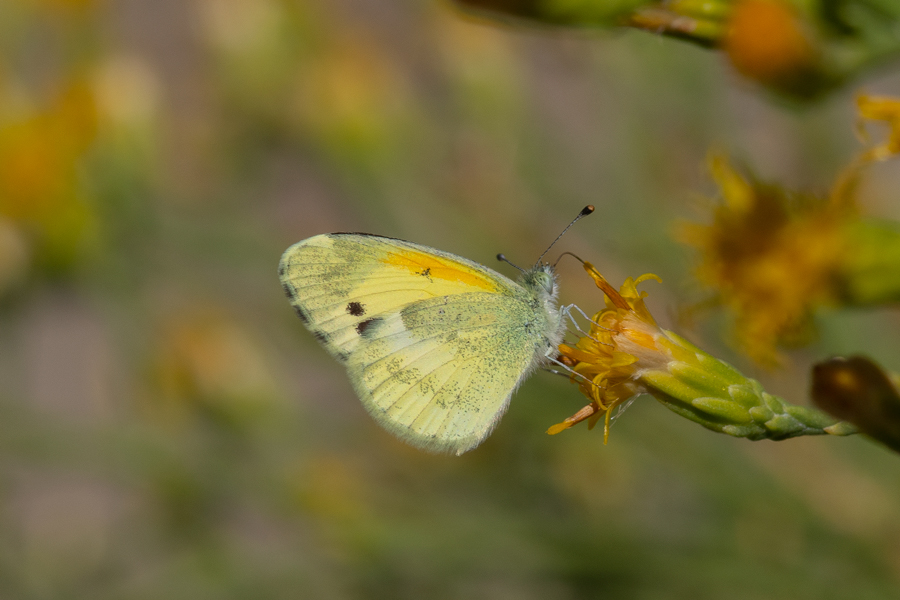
x: 544, y: 281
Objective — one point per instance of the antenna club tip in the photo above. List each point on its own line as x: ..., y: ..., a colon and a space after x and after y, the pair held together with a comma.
x: 501, y: 257
x: 587, y: 210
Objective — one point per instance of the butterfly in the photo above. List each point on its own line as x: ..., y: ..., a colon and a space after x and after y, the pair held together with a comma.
x: 434, y: 344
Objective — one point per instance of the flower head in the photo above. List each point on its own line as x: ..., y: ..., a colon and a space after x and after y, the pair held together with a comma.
x: 771, y: 256
x: 886, y: 109
x: 774, y: 257
x: 622, y: 341
x: 42, y: 192
x: 767, y: 40
x: 626, y: 353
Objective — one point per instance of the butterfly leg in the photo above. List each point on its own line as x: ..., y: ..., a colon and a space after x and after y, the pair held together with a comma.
x: 579, y: 332
x: 567, y: 313
x: 572, y: 372
x: 569, y: 308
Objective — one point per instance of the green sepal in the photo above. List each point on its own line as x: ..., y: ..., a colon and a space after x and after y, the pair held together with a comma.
x: 726, y: 410
x: 708, y: 391
x: 761, y: 414
x: 722, y: 370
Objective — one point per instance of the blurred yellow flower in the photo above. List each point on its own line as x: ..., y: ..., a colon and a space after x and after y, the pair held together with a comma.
x: 771, y: 256
x: 881, y: 108
x: 206, y: 361
x: 353, y: 96
x: 767, y: 40
x: 870, y: 108
x: 39, y: 153
x: 41, y: 189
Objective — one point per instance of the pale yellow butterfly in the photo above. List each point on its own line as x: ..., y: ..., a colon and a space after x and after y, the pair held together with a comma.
x: 434, y: 344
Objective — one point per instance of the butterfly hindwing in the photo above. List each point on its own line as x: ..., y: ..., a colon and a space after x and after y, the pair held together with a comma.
x: 439, y: 374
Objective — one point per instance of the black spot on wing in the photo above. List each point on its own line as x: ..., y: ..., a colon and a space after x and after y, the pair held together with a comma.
x: 367, y: 326
x: 281, y: 269
x: 356, y: 309
x: 323, y: 339
x: 288, y: 290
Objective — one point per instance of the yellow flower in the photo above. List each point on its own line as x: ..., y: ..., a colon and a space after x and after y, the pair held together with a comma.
x: 41, y: 188
x: 775, y: 257
x: 870, y: 108
x: 770, y: 255
x: 626, y: 353
x: 353, y: 97
x: 624, y: 339
x: 207, y: 364
x: 767, y: 41
x: 881, y: 108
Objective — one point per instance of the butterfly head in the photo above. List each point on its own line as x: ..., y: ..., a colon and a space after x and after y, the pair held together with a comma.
x: 542, y: 280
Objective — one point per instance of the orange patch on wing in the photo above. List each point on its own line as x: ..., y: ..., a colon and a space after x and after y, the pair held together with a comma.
x: 434, y: 267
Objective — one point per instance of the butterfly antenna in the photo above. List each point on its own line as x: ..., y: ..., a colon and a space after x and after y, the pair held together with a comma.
x: 584, y: 212
x: 502, y: 258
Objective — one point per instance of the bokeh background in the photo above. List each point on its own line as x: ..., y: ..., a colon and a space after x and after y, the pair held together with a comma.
x: 168, y: 429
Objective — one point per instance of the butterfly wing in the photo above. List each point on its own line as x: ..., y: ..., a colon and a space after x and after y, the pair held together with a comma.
x: 434, y: 344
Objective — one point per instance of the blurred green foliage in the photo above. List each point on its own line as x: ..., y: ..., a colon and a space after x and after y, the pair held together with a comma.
x: 169, y: 430
x: 800, y: 49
